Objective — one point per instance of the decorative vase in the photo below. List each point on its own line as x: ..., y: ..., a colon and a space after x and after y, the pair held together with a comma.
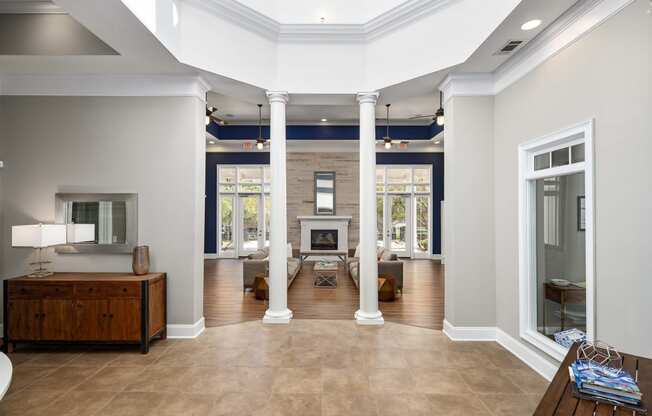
x: 140, y: 262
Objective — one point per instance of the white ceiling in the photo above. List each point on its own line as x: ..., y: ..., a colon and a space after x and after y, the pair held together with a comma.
x: 416, y: 96
x: 311, y: 11
x: 141, y: 53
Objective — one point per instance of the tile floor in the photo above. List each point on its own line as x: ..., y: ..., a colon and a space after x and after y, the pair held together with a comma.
x: 309, y: 367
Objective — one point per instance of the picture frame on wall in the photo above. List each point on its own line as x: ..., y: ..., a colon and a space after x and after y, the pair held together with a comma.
x: 581, y: 213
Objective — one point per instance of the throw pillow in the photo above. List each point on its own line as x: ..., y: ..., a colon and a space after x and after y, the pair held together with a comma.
x: 357, y: 252
x: 387, y: 255
x: 379, y: 252
x: 257, y: 255
x: 289, y: 250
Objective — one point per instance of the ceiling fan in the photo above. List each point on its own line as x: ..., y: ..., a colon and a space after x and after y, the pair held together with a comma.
x: 211, y: 115
x: 438, y: 117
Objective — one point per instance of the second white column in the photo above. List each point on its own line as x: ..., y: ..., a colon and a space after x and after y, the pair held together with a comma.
x: 368, y: 314
x: 278, y: 312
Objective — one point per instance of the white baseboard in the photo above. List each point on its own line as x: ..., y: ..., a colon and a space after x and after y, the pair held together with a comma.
x: 469, y: 333
x: 210, y: 256
x: 184, y: 331
x: 486, y: 333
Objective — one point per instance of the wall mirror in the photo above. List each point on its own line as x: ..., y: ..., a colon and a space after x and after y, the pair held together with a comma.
x: 324, y: 193
x: 115, y: 217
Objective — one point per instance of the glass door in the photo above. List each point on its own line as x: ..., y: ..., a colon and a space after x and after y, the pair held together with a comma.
x: 226, y: 226
x: 251, y: 224
x: 397, y: 225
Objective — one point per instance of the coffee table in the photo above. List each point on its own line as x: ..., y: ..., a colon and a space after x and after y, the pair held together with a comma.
x: 325, y: 274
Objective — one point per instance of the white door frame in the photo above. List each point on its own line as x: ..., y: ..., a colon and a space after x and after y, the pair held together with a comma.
x: 580, y: 133
x: 387, y: 213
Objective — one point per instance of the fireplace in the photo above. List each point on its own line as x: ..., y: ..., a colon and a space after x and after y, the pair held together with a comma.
x: 323, y: 240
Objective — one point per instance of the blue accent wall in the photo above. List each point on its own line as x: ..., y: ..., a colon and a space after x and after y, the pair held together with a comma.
x: 260, y: 158
x: 325, y: 132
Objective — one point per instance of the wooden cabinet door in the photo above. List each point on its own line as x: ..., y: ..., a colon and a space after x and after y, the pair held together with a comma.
x: 57, y: 319
x: 24, y: 319
x: 91, y: 320
x: 124, y: 317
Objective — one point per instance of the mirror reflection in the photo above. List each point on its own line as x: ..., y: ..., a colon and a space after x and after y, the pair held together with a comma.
x: 324, y: 193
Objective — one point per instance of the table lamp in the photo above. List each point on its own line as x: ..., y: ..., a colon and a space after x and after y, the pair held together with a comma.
x: 39, y: 236
x: 42, y: 236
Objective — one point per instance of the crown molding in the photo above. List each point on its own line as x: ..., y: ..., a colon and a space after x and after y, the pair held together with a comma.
x: 30, y: 7
x: 578, y: 21
x: 467, y: 85
x: 241, y: 15
x: 254, y: 21
x: 105, y: 85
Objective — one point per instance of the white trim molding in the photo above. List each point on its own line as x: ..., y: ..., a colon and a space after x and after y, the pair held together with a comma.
x: 186, y: 331
x: 469, y: 333
x: 578, y: 21
x: 532, y: 359
x: 254, y: 21
x: 211, y: 256
x: 105, y: 85
x: 527, y: 225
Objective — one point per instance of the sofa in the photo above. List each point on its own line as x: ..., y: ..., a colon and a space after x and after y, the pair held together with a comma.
x: 388, y: 266
x: 258, y: 262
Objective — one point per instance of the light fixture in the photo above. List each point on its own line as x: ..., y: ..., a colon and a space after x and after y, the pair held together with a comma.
x: 438, y: 141
x: 439, y: 114
x: 42, y: 236
x: 323, y: 120
x: 531, y: 24
x: 387, y: 139
x: 211, y: 142
x: 260, y: 141
x: 209, y: 112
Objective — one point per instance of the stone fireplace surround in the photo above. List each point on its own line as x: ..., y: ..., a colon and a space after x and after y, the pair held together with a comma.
x: 325, y: 222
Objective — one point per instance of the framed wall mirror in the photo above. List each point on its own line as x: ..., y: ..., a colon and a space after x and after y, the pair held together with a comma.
x: 115, y: 217
x: 324, y: 193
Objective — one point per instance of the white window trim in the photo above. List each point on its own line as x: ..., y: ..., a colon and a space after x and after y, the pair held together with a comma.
x: 411, y: 194
x: 236, y: 206
x: 527, y: 224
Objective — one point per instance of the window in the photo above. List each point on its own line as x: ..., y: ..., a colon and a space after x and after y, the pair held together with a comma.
x: 555, y: 249
x: 243, y: 211
x: 404, y: 209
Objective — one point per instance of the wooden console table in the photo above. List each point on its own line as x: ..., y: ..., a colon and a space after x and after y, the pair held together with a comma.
x: 563, y: 295
x: 85, y: 307
x: 559, y: 398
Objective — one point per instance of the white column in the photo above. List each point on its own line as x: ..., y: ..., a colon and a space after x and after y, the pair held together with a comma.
x: 368, y: 314
x: 278, y: 312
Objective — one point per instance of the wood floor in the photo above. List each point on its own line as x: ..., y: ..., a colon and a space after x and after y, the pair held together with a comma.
x: 421, y: 304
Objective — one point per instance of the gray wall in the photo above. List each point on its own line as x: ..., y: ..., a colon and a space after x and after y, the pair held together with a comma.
x: 48, y: 34
x: 300, y: 189
x: 469, y: 232
x: 152, y: 146
x: 605, y: 76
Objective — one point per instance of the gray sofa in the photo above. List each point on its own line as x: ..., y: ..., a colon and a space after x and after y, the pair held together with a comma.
x: 388, y: 266
x: 258, y: 263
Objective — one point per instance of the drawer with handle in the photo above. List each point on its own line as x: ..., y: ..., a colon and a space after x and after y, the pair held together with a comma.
x: 113, y: 290
x: 39, y: 291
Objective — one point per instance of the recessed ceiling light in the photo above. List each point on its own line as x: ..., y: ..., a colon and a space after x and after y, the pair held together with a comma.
x: 211, y: 142
x: 323, y: 120
x: 531, y: 24
x: 437, y: 142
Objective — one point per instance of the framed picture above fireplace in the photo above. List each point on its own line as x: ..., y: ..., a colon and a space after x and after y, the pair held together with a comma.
x: 324, y: 193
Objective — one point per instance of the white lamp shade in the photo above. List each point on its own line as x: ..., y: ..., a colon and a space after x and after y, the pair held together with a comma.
x: 38, y: 236
x: 80, y: 233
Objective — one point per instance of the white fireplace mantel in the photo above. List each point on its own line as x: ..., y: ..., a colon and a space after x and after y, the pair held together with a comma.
x: 321, y: 222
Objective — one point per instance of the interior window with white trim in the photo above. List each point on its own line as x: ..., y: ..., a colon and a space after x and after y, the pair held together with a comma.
x: 556, y: 255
